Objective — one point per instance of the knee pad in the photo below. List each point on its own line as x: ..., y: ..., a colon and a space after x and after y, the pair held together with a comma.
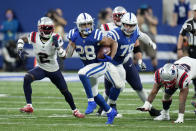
x: 28, y: 78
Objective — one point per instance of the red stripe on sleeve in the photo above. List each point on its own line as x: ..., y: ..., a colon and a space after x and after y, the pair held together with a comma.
x: 104, y: 27
x: 107, y: 27
x: 182, y: 79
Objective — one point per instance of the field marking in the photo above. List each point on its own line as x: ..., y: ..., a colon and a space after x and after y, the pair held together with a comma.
x: 3, y: 95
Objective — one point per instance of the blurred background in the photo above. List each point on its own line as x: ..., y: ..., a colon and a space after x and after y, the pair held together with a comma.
x: 160, y: 19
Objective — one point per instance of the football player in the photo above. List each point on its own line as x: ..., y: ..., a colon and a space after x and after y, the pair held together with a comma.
x: 172, y: 77
x: 87, y: 41
x: 46, y: 46
x: 132, y: 75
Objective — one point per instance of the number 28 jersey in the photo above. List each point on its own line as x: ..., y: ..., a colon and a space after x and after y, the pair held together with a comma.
x: 88, y: 47
x: 45, y: 53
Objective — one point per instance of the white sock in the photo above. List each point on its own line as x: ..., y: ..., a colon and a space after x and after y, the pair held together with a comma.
x: 142, y: 94
x: 166, y: 112
x: 29, y: 105
x: 110, y: 101
x: 109, y: 110
x: 90, y: 99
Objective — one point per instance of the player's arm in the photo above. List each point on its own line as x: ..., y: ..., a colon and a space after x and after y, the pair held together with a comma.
x: 138, y: 55
x: 70, y: 49
x: 182, y: 99
x: 148, y: 104
x: 147, y: 40
x: 106, y: 41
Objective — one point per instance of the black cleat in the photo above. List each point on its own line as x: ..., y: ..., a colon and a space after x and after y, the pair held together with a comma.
x: 154, y: 112
x: 99, y: 111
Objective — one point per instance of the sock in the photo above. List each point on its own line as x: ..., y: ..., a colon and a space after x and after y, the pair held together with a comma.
x: 114, y: 93
x: 87, y: 86
x: 27, y: 88
x: 68, y: 98
x: 166, y: 104
x: 110, y: 101
x: 90, y: 99
x: 142, y: 94
x: 101, y: 102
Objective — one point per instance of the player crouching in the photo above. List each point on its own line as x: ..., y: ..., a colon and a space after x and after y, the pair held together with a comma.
x: 46, y: 46
x: 172, y: 77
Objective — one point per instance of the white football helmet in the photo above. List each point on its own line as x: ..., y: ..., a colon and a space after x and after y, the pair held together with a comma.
x: 117, y: 14
x: 45, y: 27
x: 131, y: 20
x: 168, y: 74
x: 85, y: 18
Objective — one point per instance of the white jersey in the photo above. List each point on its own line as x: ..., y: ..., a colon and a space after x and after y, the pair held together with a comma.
x: 107, y: 27
x: 189, y: 64
x: 45, y: 53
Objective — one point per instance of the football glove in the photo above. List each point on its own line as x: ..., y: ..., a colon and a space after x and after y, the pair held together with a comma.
x: 153, y: 45
x: 146, y: 107
x: 55, y: 41
x: 142, y: 65
x: 105, y: 59
x: 22, y: 54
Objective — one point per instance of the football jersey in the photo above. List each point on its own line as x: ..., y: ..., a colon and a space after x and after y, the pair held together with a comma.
x: 107, y: 27
x: 125, y: 44
x: 45, y: 52
x: 189, y: 64
x: 87, y: 48
x: 184, y: 75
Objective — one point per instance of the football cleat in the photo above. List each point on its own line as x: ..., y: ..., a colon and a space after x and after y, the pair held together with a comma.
x: 99, y: 111
x: 111, y: 116
x: 91, y: 106
x: 27, y: 109
x: 163, y: 116
x: 154, y: 112
x: 77, y: 114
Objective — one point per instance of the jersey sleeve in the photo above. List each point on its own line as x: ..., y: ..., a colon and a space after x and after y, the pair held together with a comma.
x: 137, y: 32
x: 71, y: 35
x: 184, y: 81
x: 157, y: 77
x: 113, y: 34
x: 98, y: 35
x: 183, y: 32
x: 30, y: 37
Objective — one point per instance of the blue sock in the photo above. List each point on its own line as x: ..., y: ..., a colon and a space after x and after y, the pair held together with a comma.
x: 114, y: 93
x: 101, y: 102
x: 87, y: 85
x: 27, y: 88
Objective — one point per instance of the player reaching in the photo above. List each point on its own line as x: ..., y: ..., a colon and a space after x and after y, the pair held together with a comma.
x: 172, y: 77
x: 123, y: 57
x: 46, y: 46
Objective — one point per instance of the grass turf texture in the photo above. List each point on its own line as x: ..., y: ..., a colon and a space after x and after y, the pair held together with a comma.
x: 52, y: 113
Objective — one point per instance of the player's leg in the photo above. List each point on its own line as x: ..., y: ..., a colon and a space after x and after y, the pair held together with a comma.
x: 194, y: 83
x: 133, y: 78
x: 111, y: 112
x: 58, y: 80
x: 92, y: 70
x: 167, y: 101
x: 32, y: 75
x: 108, y: 85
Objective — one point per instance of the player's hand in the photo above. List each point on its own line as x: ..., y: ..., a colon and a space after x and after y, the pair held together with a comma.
x: 142, y: 65
x: 55, y: 41
x: 105, y: 59
x: 146, y: 107
x: 22, y: 54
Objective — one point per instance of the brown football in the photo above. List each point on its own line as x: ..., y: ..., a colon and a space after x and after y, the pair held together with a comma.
x: 103, y: 50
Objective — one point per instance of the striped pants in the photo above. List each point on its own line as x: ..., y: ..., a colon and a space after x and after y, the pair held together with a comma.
x: 115, y: 74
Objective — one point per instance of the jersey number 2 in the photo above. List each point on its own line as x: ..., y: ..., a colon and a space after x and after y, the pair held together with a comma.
x: 43, y: 57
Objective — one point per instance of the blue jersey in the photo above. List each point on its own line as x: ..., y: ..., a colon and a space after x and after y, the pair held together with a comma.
x: 88, y: 47
x: 182, y: 10
x: 125, y: 44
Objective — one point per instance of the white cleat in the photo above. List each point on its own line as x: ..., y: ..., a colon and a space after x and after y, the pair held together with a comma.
x: 103, y: 113
x: 163, y: 116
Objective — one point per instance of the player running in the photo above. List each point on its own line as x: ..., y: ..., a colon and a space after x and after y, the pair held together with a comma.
x: 46, y: 46
x: 172, y: 77
x: 128, y: 43
x: 87, y: 41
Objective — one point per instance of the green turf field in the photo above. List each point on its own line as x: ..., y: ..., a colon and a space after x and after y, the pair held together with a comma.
x: 53, y: 114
